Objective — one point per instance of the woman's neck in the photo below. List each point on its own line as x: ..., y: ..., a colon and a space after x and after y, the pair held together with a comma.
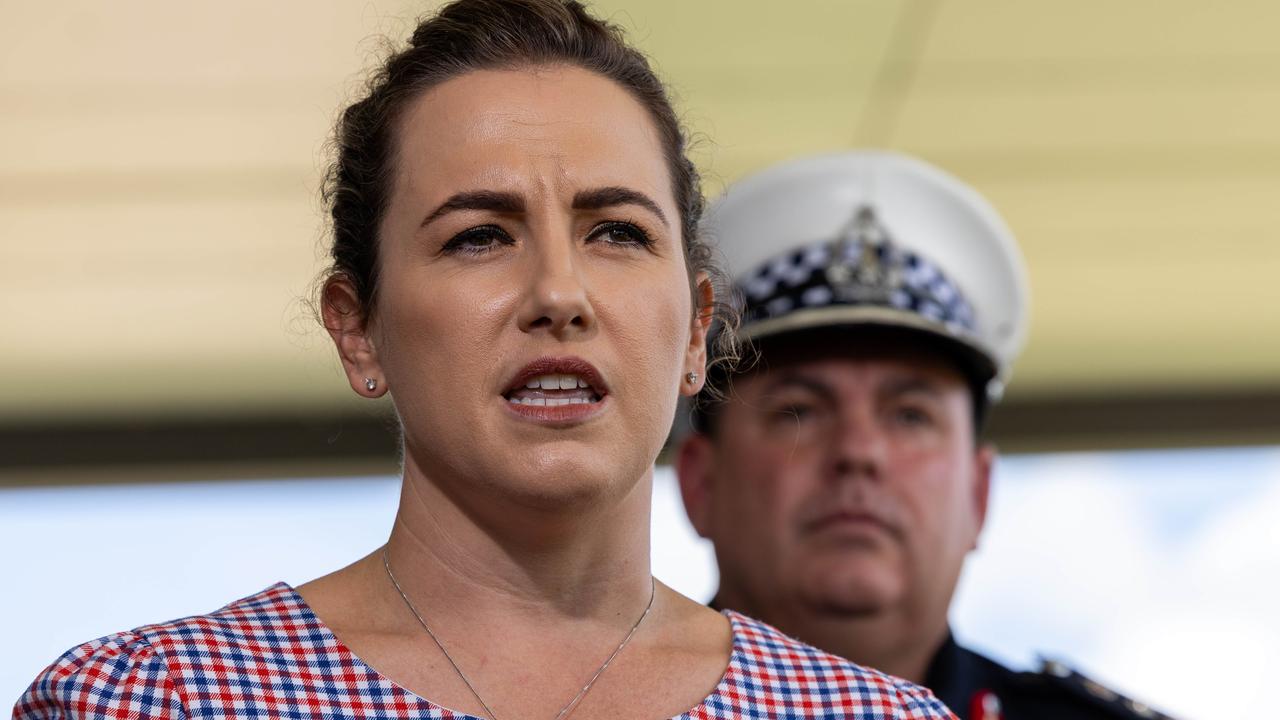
x: 528, y: 603
x: 490, y: 556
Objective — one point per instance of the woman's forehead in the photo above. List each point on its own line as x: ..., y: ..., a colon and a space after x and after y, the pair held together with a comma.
x: 530, y: 130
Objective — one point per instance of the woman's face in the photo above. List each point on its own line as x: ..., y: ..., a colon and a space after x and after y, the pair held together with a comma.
x: 534, y: 320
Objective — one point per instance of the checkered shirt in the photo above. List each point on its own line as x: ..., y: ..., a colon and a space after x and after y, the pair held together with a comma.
x: 269, y: 656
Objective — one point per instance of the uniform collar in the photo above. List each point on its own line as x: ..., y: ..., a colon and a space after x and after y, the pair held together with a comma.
x: 950, y: 674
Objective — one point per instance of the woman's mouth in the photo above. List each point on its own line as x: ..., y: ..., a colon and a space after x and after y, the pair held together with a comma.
x: 556, y: 390
x: 553, y: 391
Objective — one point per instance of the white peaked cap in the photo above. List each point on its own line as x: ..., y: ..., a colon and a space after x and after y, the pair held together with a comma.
x: 965, y: 279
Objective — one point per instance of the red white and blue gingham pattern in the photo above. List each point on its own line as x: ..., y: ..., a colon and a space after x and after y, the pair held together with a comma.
x: 269, y: 656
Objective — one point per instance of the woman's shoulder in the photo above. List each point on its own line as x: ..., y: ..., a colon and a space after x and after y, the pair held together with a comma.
x: 269, y: 622
x: 274, y: 616
x: 115, y: 676
x: 144, y: 672
x: 801, y: 680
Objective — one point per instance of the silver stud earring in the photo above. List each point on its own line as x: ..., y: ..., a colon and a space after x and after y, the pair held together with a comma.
x: 370, y: 384
x: 691, y: 377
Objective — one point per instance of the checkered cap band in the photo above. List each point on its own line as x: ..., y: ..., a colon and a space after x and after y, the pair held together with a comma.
x: 802, y: 279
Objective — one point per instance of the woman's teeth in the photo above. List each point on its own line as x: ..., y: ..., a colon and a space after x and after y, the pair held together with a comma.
x: 553, y: 390
x: 556, y: 382
x: 550, y: 401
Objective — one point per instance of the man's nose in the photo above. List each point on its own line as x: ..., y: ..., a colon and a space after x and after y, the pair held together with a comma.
x: 860, y: 445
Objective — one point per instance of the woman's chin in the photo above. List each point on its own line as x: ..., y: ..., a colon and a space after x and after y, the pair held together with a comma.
x: 570, y: 477
x: 532, y: 467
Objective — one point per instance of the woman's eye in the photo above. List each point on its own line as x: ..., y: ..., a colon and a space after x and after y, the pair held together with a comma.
x: 621, y: 233
x: 477, y: 240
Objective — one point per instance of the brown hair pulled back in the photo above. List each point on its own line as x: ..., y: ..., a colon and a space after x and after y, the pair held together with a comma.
x: 470, y: 35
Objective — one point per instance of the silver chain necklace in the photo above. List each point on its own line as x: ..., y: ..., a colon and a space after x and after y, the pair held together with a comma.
x: 573, y: 703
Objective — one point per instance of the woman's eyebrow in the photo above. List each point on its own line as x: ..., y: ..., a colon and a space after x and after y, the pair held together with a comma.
x: 493, y: 200
x: 613, y: 196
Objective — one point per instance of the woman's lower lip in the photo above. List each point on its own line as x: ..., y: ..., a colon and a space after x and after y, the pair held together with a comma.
x: 556, y: 414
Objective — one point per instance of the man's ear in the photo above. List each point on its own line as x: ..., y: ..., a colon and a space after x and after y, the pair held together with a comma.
x: 694, y: 460
x: 984, y: 461
x: 348, y: 326
x: 695, y: 360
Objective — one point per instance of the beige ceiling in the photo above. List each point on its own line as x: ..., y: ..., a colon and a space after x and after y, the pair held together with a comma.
x: 159, y: 161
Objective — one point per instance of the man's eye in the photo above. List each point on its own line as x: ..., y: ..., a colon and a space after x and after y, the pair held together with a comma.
x: 620, y: 233
x: 799, y: 410
x: 913, y: 416
x: 477, y: 240
x: 793, y: 412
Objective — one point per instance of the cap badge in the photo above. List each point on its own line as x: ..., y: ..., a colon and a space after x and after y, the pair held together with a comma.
x: 864, y: 267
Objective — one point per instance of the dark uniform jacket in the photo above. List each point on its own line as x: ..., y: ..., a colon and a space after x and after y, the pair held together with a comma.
x: 978, y: 688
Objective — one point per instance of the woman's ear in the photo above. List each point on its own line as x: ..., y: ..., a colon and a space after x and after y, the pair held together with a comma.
x: 348, y: 325
x: 695, y: 361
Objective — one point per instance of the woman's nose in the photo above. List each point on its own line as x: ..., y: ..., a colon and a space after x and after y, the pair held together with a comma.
x: 557, y: 300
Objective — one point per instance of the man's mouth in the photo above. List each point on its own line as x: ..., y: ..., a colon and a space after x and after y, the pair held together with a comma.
x: 852, y: 520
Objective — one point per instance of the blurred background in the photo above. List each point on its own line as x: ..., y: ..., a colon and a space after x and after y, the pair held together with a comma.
x: 175, y: 430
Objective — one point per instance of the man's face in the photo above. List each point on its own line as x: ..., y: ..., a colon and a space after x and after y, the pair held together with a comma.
x: 841, y: 483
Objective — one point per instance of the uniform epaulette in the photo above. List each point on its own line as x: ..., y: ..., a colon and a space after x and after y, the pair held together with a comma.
x: 1062, y: 676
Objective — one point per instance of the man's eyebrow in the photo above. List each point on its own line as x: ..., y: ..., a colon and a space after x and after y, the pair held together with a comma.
x: 493, y: 200
x: 908, y: 385
x: 803, y: 382
x: 615, y: 195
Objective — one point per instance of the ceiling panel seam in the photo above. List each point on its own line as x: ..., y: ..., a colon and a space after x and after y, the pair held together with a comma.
x: 895, y: 74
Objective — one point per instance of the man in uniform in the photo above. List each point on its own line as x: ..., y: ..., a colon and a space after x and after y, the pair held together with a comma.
x: 842, y: 478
